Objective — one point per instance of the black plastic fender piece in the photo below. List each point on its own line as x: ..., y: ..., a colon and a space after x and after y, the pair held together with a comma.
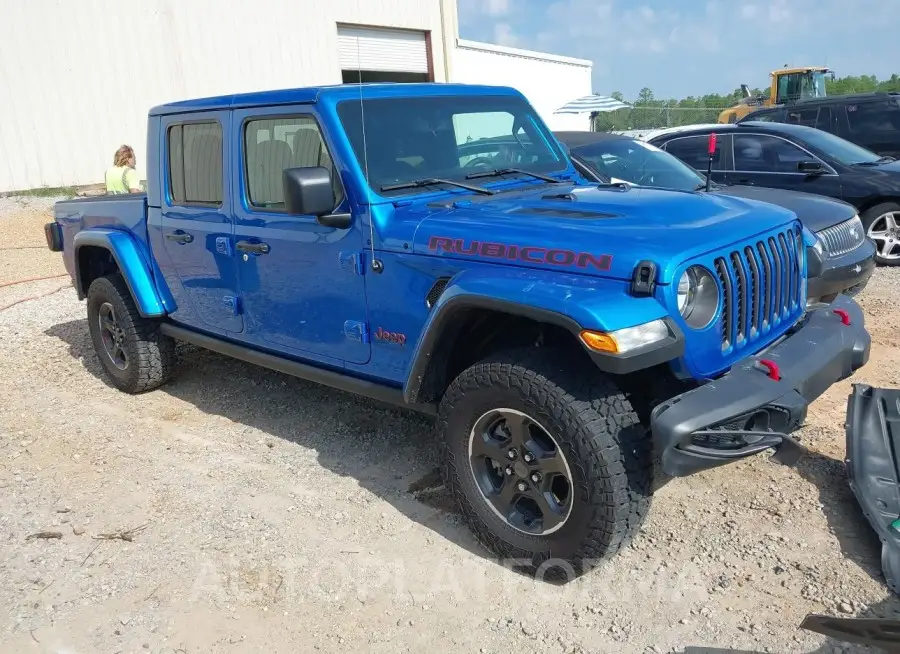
x: 873, y: 632
x: 873, y: 466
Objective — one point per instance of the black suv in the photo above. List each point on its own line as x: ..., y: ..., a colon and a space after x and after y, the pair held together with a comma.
x: 871, y: 120
x: 799, y: 158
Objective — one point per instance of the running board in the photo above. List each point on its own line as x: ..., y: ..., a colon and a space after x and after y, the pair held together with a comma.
x: 380, y: 392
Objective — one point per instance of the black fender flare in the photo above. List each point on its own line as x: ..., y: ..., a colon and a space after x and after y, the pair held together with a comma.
x: 440, y: 324
x: 133, y: 265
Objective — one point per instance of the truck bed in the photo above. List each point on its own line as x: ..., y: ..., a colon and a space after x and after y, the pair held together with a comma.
x: 121, y: 212
x: 127, y: 212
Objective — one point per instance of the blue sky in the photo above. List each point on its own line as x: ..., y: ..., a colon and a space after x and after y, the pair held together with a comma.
x: 692, y: 47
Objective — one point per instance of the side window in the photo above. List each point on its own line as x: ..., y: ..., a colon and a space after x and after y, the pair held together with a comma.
x: 692, y: 150
x: 765, y: 116
x: 273, y: 144
x: 195, y: 163
x: 805, y: 117
x: 874, y: 117
x: 824, y: 120
x: 761, y: 153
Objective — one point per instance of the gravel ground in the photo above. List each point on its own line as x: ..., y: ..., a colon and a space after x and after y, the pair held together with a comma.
x: 248, y: 511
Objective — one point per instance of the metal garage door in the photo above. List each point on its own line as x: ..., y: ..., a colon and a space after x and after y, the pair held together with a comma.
x: 376, y: 49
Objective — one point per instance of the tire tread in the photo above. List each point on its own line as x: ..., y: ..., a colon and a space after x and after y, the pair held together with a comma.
x: 616, y: 451
x: 153, y: 359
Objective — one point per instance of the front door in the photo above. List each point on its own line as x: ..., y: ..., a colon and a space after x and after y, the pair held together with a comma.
x: 195, y: 222
x: 302, y: 284
x: 773, y: 162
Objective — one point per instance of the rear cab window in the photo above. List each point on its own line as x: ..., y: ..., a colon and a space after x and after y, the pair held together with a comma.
x: 195, y: 168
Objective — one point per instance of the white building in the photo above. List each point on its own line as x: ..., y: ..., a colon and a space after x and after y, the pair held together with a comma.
x: 77, y: 78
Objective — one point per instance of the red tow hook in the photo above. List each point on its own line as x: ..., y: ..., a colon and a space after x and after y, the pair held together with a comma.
x: 772, y: 370
x: 843, y: 315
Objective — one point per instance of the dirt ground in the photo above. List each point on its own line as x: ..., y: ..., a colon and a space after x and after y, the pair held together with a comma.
x: 248, y: 511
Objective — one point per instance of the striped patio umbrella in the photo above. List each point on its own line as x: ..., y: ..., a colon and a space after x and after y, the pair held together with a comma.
x: 590, y: 104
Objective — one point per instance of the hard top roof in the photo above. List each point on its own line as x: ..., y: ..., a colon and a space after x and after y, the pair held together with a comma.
x: 316, y: 93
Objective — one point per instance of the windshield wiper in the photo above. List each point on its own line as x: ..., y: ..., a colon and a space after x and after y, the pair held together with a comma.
x: 497, y: 172
x: 430, y: 181
x: 877, y: 162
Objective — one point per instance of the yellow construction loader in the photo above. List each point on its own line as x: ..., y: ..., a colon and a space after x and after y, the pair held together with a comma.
x: 788, y: 85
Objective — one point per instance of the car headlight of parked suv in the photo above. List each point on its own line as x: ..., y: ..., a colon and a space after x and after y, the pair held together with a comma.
x: 841, y: 238
x: 698, y: 297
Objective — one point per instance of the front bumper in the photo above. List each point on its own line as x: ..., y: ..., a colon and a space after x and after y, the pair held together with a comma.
x: 846, y: 274
x: 748, y: 410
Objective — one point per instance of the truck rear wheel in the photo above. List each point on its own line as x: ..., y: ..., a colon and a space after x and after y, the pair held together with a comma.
x: 134, y: 354
x: 546, y: 459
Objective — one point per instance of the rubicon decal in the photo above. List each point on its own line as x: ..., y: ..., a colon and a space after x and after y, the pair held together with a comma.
x: 524, y: 253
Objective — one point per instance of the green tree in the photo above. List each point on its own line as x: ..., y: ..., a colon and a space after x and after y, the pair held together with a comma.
x: 647, y: 112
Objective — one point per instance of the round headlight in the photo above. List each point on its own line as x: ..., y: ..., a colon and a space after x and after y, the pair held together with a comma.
x: 697, y: 297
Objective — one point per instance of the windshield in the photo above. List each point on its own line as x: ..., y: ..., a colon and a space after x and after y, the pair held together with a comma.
x: 447, y: 137
x: 639, y: 163
x: 800, y: 86
x: 837, y: 148
x: 818, y: 84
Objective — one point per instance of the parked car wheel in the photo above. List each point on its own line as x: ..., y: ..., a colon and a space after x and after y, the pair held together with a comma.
x: 134, y: 354
x: 882, y: 225
x: 546, y: 459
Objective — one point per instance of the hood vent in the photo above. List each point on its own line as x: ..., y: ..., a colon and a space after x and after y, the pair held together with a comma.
x: 562, y: 213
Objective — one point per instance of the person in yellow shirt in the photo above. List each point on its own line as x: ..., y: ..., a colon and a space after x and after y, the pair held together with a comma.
x: 122, y: 177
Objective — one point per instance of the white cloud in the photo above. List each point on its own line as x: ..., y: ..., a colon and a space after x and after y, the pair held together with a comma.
x: 749, y: 11
x: 646, y: 13
x: 504, y: 35
x: 497, y: 7
x: 779, y: 12
x: 603, y: 10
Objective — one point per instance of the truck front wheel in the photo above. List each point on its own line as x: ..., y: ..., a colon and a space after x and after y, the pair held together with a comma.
x: 134, y: 354
x: 546, y: 459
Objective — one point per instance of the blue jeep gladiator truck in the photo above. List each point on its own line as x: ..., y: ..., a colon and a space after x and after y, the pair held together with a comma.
x: 432, y: 246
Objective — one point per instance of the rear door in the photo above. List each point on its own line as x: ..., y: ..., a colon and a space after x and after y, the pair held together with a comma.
x: 694, y: 151
x: 195, y: 221
x: 875, y: 125
x: 772, y: 161
x: 826, y: 120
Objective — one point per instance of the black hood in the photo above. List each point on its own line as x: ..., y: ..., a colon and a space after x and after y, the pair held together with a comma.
x: 816, y: 212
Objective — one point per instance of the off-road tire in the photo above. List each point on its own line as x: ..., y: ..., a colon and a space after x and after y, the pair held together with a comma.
x: 608, y: 451
x: 150, y: 354
x: 868, y: 217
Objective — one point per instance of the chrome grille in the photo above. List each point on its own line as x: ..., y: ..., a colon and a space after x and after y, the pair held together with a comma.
x: 761, y: 288
x: 843, y: 237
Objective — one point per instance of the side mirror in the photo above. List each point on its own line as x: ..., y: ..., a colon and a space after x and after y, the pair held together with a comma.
x: 309, y: 191
x: 811, y: 167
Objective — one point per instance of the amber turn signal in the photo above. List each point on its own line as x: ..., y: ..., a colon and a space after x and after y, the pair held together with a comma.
x: 599, y: 341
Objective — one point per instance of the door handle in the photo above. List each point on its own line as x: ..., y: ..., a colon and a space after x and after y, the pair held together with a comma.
x: 180, y: 237
x: 253, y: 248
